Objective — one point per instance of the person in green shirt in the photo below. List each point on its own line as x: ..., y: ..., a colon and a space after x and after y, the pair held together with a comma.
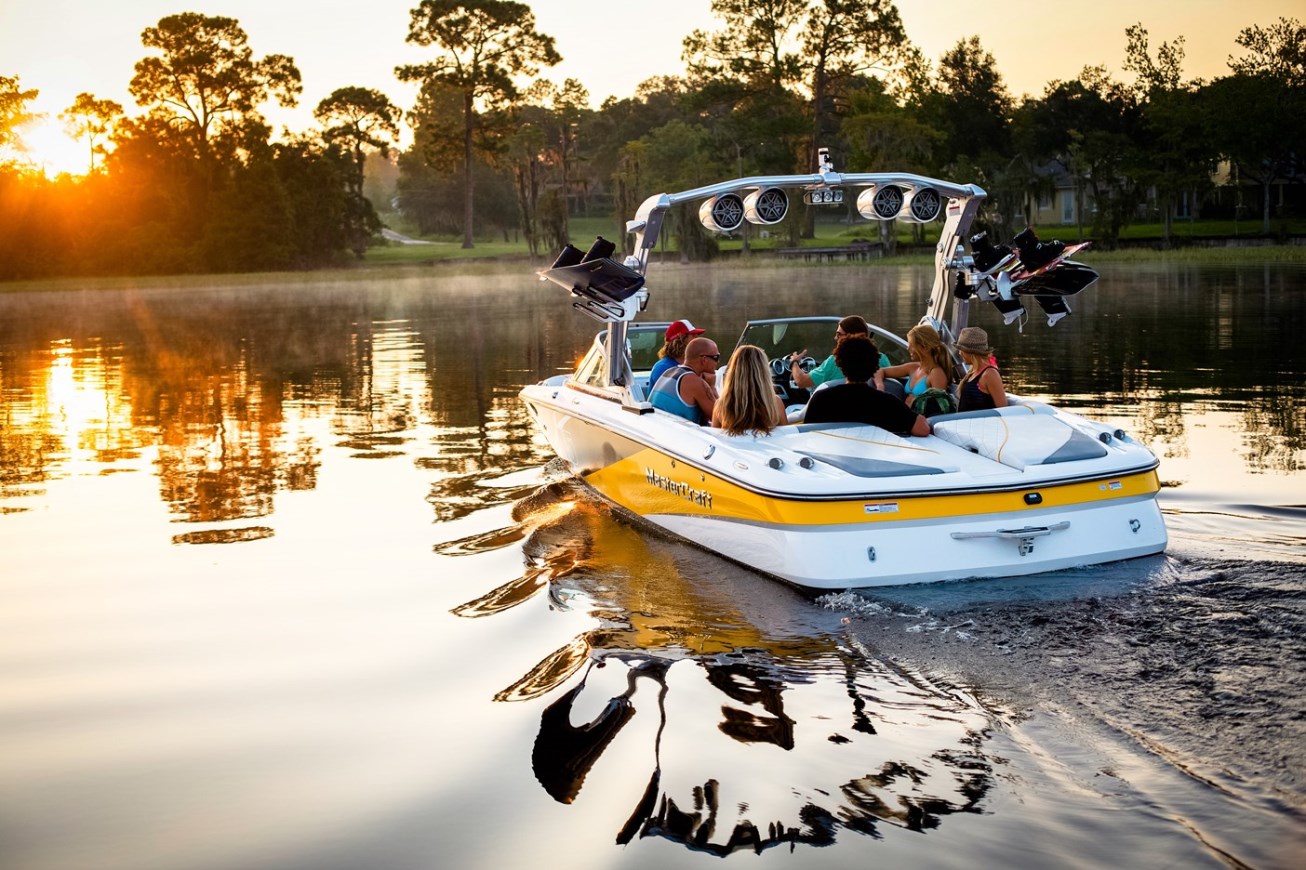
x: 829, y: 370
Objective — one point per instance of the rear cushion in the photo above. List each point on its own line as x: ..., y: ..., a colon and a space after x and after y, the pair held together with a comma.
x: 1020, y: 441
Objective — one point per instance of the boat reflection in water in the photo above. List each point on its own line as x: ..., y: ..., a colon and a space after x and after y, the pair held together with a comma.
x: 727, y: 714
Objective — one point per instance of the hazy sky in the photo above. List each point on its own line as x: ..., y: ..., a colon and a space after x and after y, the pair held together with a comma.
x: 64, y: 47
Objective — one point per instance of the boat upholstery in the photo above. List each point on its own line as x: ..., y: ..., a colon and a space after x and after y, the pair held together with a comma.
x: 1020, y: 437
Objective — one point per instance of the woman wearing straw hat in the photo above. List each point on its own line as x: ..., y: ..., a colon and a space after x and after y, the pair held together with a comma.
x: 982, y: 387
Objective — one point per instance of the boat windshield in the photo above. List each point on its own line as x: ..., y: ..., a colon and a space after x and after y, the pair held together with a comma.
x: 644, y: 341
x: 779, y: 338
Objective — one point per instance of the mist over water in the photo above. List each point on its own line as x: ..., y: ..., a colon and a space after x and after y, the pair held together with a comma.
x: 287, y: 580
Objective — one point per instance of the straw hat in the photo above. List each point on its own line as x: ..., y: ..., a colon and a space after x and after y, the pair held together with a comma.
x: 973, y: 340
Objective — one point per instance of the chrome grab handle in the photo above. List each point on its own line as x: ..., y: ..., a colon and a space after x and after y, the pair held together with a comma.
x: 1014, y: 534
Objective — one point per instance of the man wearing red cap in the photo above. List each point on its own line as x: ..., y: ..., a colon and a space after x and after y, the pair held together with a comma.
x: 673, y: 352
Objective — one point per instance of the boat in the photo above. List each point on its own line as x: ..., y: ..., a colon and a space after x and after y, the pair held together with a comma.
x: 1024, y: 489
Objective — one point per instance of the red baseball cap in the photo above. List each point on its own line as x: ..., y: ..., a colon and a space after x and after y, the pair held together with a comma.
x: 682, y: 327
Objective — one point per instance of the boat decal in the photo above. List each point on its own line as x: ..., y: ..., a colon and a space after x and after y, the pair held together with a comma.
x: 652, y: 483
x: 700, y: 497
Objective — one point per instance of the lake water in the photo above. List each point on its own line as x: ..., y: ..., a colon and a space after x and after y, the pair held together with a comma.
x: 287, y: 580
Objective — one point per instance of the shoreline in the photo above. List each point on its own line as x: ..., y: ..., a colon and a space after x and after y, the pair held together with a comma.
x: 1216, y: 255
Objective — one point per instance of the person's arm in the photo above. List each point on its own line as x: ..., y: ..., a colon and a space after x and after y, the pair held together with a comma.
x: 937, y: 378
x: 899, y: 370
x: 781, y: 416
x: 921, y: 427
x: 695, y: 391
x: 991, y: 383
x: 800, y: 377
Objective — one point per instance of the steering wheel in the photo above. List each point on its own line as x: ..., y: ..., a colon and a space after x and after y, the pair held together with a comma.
x: 780, y: 367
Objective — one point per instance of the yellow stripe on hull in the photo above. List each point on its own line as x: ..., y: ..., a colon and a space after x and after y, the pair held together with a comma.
x: 651, y: 483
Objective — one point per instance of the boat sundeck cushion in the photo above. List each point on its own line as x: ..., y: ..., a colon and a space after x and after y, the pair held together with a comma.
x: 852, y: 448
x: 1018, y: 441
x: 1022, y: 410
x: 864, y: 467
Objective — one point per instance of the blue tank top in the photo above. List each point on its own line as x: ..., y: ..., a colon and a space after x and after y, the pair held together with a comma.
x: 666, y: 396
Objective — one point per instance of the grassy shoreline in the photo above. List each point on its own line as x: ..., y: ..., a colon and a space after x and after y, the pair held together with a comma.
x: 478, y: 261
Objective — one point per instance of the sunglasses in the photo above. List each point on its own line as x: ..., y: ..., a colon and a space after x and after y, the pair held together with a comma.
x: 715, y: 357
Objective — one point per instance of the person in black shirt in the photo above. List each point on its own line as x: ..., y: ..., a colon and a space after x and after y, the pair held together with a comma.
x: 859, y: 402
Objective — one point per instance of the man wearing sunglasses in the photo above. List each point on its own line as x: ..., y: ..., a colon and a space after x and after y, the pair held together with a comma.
x: 686, y: 389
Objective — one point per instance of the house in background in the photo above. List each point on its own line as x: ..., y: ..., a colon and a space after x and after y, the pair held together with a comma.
x: 1056, y: 204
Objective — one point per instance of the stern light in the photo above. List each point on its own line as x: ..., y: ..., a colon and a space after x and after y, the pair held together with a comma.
x: 824, y: 196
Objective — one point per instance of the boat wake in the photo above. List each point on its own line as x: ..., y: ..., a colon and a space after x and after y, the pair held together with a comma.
x: 1175, y: 668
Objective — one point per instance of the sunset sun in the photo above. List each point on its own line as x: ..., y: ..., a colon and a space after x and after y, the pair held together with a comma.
x: 53, y: 151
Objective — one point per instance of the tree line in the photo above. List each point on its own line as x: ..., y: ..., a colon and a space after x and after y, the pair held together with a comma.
x: 196, y: 181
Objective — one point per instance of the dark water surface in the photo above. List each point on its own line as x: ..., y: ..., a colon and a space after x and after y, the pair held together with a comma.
x: 288, y: 581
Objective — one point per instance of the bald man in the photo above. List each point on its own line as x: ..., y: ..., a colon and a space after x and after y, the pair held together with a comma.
x: 685, y: 389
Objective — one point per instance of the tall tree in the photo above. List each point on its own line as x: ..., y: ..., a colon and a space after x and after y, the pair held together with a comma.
x: 1176, y: 156
x: 882, y: 134
x: 774, y: 73
x: 483, y: 45
x: 569, y: 104
x: 754, y: 47
x: 205, y: 75
x: 14, y: 114
x: 359, y: 120
x: 843, y: 41
x: 970, y: 104
x: 1091, y: 127
x: 1262, y: 106
x: 90, y: 119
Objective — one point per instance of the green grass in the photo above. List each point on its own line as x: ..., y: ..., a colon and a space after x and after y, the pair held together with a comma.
x: 1182, y: 229
x: 831, y: 232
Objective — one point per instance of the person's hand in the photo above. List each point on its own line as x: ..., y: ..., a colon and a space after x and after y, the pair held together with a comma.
x: 795, y: 357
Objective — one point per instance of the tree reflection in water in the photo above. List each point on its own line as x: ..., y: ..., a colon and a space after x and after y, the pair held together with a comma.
x: 771, y: 761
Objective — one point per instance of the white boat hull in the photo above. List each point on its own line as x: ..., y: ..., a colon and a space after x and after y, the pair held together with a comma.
x: 825, y: 530
x: 841, y: 557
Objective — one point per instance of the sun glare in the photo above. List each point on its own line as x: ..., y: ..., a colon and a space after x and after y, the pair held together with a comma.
x: 50, y: 149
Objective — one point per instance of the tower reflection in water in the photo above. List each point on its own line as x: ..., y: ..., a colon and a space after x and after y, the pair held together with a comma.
x: 764, y: 723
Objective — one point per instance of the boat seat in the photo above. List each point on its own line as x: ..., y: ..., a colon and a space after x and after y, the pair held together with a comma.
x: 1025, y: 437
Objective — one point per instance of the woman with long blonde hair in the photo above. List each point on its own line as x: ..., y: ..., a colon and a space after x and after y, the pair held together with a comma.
x: 748, y: 401
x: 929, y: 374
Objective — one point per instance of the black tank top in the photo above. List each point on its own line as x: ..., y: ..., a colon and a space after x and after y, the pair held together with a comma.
x: 970, y: 397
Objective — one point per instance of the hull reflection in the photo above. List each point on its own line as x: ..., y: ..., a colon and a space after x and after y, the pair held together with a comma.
x: 738, y: 714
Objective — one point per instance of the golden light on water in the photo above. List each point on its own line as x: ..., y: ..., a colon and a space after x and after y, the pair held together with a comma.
x: 84, y: 404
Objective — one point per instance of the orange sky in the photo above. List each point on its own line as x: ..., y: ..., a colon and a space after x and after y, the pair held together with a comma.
x: 64, y: 47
